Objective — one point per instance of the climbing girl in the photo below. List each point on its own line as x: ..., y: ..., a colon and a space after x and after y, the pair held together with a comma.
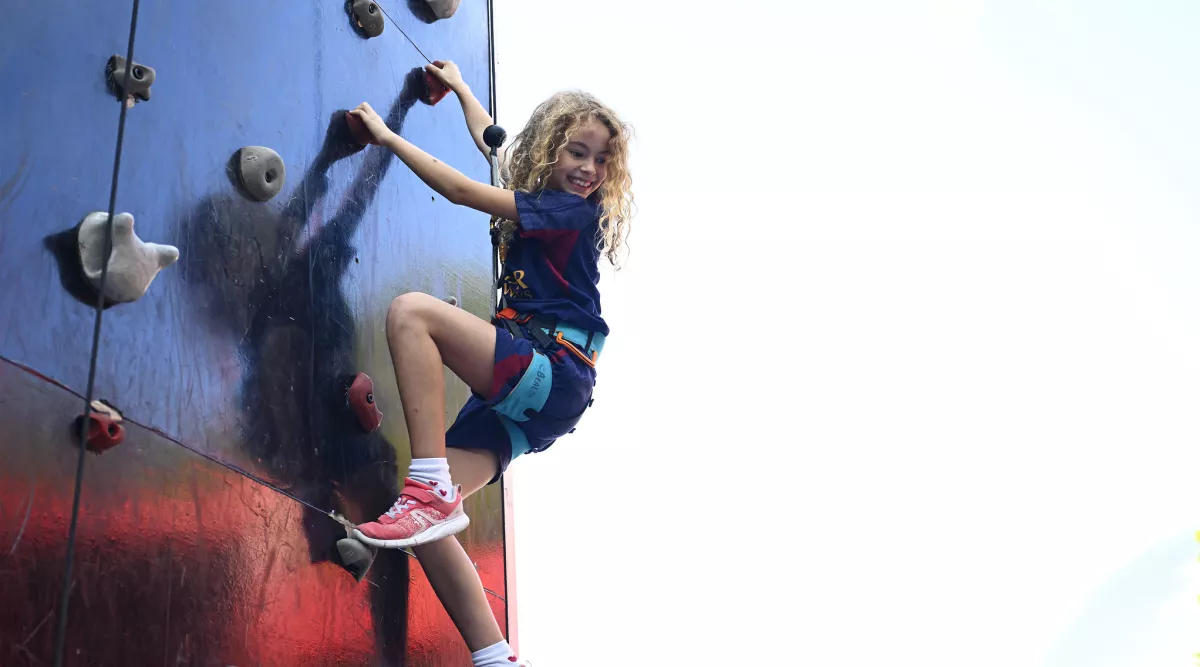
x: 567, y: 202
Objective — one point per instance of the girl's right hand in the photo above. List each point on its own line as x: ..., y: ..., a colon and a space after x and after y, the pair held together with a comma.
x: 446, y: 72
x: 375, y: 125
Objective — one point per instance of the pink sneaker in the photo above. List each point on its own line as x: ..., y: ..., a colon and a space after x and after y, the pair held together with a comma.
x: 420, y: 515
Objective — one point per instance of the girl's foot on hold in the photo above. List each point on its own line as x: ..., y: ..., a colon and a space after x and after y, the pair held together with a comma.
x: 421, y: 515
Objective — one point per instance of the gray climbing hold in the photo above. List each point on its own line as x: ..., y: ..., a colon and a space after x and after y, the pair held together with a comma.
x: 452, y: 300
x: 356, y: 557
x: 366, y: 16
x: 443, y: 9
x: 138, y: 85
x: 133, y: 263
x: 261, y: 172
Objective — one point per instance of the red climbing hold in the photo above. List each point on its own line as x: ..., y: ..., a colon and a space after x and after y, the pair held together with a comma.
x: 359, y: 131
x: 434, y: 90
x: 104, y: 430
x: 362, y: 401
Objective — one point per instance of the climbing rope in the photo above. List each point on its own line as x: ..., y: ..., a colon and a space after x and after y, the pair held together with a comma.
x: 497, y: 250
x: 410, y: 39
x: 65, y: 600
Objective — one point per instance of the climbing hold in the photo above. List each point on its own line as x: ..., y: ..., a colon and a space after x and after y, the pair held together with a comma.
x: 103, y: 427
x: 340, y: 140
x: 443, y: 9
x: 260, y: 171
x: 356, y: 557
x: 138, y: 85
x: 358, y: 130
x: 452, y: 300
x: 361, y: 398
x: 132, y: 264
x: 366, y: 16
x: 434, y: 90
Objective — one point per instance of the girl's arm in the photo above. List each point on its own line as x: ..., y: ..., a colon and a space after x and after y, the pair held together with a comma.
x: 447, y: 181
x: 476, y: 116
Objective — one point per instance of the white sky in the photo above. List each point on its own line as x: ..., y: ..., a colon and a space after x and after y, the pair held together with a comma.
x: 904, y: 365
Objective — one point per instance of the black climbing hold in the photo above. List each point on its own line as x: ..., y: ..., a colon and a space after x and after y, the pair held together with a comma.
x: 452, y: 300
x: 494, y: 136
x: 138, y: 85
x: 260, y: 172
x: 356, y: 557
x: 366, y: 16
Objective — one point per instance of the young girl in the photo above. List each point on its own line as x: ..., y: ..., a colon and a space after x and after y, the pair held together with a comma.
x: 532, y: 370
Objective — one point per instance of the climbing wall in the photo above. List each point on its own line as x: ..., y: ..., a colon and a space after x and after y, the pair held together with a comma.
x: 203, y: 537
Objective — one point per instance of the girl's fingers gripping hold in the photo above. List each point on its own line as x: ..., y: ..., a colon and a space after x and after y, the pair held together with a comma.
x: 371, y: 120
x: 446, y: 72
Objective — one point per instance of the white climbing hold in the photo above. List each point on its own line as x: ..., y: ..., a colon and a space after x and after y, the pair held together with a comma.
x: 133, y: 263
x: 443, y: 9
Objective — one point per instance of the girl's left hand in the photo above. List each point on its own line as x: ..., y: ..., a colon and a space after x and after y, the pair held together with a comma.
x: 374, y: 124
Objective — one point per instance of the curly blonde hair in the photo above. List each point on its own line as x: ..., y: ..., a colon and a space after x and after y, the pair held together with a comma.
x: 534, y: 152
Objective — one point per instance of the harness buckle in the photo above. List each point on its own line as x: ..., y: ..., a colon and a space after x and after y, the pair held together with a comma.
x: 545, y: 331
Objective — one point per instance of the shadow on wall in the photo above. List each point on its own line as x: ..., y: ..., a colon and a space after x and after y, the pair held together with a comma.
x: 253, y: 273
x: 421, y: 10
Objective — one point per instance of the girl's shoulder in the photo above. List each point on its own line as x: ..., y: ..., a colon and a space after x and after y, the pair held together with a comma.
x: 556, y: 209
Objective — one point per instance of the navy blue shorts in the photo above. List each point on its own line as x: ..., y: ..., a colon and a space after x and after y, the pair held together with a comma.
x: 539, y: 393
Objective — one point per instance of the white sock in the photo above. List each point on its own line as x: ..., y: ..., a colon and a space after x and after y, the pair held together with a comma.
x: 434, y: 472
x: 496, y: 655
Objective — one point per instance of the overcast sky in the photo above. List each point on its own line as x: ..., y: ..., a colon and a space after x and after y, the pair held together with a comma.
x: 904, y: 364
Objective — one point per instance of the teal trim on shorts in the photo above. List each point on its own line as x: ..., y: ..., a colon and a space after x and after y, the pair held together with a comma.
x: 516, y: 438
x: 531, y: 391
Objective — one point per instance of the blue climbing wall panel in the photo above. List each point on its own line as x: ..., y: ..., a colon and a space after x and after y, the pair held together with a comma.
x: 230, y: 371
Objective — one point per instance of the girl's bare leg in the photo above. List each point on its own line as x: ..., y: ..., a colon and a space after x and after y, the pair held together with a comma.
x: 448, y: 567
x: 425, y: 333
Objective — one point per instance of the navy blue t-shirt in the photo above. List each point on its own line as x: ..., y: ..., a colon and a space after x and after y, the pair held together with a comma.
x: 552, y: 265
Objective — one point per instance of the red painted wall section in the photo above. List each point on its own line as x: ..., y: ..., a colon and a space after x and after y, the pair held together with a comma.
x: 178, y: 558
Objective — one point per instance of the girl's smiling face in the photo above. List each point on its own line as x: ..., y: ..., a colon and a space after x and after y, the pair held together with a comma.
x: 581, y: 166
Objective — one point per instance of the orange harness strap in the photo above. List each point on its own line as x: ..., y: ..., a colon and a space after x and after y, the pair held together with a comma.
x: 513, y: 316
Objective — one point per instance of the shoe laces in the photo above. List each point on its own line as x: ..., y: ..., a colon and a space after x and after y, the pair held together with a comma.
x: 401, y: 505
x: 404, y: 501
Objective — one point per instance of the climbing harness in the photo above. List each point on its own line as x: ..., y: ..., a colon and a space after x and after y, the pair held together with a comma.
x: 545, y: 329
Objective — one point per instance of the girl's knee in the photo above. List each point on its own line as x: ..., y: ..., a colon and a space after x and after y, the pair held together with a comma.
x: 406, y: 311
